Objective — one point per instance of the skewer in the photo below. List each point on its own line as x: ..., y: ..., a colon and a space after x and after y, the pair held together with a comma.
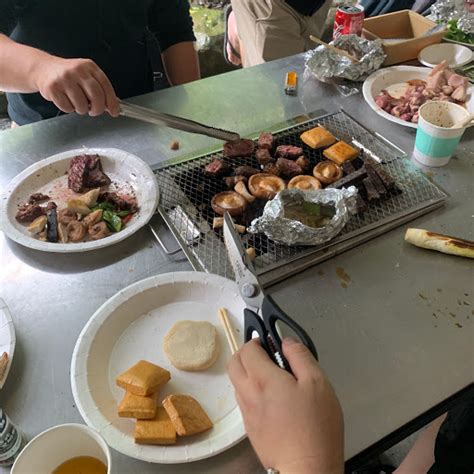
x: 333, y: 48
x: 229, y: 332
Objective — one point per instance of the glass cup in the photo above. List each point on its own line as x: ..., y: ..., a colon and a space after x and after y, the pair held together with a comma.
x: 436, y: 140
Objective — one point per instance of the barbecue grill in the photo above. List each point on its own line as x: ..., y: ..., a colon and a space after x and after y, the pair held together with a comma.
x: 185, y: 196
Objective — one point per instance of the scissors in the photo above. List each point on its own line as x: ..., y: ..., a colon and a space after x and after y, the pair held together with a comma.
x: 262, y: 313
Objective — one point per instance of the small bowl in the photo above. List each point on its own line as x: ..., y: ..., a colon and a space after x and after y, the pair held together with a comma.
x: 58, y: 444
x: 455, y: 54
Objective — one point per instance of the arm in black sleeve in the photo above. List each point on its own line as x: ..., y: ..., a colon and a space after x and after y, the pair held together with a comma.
x: 171, y: 22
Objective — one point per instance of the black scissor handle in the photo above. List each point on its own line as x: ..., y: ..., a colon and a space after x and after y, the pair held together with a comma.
x: 266, y: 328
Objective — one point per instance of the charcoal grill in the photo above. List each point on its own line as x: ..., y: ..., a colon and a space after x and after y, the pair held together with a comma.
x: 185, y: 195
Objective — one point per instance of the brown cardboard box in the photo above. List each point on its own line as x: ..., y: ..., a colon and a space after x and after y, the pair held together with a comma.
x: 402, y: 34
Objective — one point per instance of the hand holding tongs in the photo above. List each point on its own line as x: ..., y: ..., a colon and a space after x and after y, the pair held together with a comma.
x: 251, y: 291
x: 179, y: 123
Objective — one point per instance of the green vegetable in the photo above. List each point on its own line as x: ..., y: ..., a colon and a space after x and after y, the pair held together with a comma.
x: 455, y: 34
x: 114, y: 223
x: 122, y: 213
x: 105, y: 206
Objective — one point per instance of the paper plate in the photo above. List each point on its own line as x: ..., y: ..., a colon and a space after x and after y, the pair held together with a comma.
x: 468, y: 45
x: 131, y: 326
x: 7, y: 338
x: 49, y: 176
x: 455, y: 54
x: 395, y: 76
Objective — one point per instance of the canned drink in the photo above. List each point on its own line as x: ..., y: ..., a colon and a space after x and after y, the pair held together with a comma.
x: 349, y: 21
x: 11, y: 440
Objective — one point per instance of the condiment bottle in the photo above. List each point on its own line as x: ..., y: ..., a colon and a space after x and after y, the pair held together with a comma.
x: 12, y: 440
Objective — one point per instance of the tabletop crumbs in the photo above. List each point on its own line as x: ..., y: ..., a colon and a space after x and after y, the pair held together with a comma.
x: 174, y: 145
x: 465, y: 303
x: 439, y: 290
x: 343, y: 276
x: 459, y: 325
x: 421, y: 295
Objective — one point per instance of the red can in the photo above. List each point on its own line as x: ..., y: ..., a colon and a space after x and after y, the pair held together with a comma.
x: 349, y: 21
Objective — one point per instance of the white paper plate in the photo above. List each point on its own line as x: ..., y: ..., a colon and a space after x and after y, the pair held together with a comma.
x: 126, y: 171
x: 468, y: 45
x: 7, y: 337
x: 131, y: 326
x: 395, y: 76
x: 455, y: 54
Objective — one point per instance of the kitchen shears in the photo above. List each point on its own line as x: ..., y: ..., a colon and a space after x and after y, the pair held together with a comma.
x: 262, y: 313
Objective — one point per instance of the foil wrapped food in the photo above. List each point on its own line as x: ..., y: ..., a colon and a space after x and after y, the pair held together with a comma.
x: 275, y: 224
x: 446, y: 10
x: 327, y: 65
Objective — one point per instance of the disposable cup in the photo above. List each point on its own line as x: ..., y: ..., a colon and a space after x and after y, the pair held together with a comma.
x: 436, y: 141
x: 52, y: 447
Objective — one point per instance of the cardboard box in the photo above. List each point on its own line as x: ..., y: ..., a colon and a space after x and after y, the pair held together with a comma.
x: 402, y: 34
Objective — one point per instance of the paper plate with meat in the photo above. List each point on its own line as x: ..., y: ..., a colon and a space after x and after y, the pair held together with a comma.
x: 79, y: 200
x: 396, y: 93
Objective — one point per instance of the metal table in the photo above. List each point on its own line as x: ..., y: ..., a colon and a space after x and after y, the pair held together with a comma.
x: 393, y: 323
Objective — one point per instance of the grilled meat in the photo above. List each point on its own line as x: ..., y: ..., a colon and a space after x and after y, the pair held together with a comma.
x: 289, y: 168
x: 246, y: 171
x: 263, y: 156
x: 29, y: 212
x: 272, y: 168
x: 289, y: 152
x: 265, y: 141
x: 37, y: 197
x: 242, y: 147
x: 217, y: 168
x: 85, y: 171
x: 304, y: 163
x: 120, y: 203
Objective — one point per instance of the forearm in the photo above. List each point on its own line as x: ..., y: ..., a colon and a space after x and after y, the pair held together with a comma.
x: 181, y: 63
x: 17, y: 65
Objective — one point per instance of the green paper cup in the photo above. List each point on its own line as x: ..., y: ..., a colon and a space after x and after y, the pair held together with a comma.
x: 436, y: 141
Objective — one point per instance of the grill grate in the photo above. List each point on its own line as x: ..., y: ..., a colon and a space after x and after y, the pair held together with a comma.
x: 183, y: 187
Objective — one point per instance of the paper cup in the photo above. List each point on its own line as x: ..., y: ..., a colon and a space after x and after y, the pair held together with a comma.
x: 436, y: 141
x: 52, y: 447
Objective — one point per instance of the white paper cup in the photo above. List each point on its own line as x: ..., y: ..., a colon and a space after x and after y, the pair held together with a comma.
x: 436, y: 141
x: 52, y: 447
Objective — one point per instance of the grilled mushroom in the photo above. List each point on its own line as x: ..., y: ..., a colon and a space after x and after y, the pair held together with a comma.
x: 242, y: 190
x: 265, y: 186
x: 304, y: 182
x: 66, y: 215
x: 76, y: 231
x: 327, y: 172
x: 229, y: 201
x: 99, y: 231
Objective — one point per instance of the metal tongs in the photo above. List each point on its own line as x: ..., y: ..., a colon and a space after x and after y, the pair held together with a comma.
x: 262, y: 313
x: 179, y: 123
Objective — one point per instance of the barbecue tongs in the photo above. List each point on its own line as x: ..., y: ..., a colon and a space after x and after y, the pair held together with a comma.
x: 179, y: 123
x: 262, y: 313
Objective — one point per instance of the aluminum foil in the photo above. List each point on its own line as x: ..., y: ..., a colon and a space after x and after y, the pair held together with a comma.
x: 327, y: 65
x: 445, y: 10
x: 277, y: 227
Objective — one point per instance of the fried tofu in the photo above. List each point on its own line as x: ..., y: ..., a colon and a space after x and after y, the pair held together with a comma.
x: 341, y: 152
x: 144, y: 378
x: 187, y: 415
x: 135, y: 406
x: 318, y: 137
x: 160, y: 430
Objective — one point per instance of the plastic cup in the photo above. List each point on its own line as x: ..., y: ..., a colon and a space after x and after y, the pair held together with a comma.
x: 436, y: 141
x: 52, y: 447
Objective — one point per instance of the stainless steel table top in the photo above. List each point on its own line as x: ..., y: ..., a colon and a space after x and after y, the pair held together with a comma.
x: 393, y: 323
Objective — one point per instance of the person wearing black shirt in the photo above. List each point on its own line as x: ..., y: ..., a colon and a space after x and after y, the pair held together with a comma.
x: 78, y: 56
x: 273, y: 29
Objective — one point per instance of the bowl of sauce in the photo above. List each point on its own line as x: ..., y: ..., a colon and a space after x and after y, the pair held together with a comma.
x: 65, y: 449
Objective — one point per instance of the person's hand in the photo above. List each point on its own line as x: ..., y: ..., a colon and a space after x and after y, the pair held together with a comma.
x: 76, y: 85
x: 295, y: 422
